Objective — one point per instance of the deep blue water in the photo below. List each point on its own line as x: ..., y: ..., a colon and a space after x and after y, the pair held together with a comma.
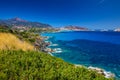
x: 98, y: 49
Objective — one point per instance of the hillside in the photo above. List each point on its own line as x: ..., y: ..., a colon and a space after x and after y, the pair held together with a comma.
x: 20, y: 65
x: 11, y: 42
x: 24, y: 23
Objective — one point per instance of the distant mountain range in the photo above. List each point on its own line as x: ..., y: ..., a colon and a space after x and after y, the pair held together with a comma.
x: 24, y: 23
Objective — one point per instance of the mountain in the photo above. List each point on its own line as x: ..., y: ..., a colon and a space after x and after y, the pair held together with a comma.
x: 24, y: 23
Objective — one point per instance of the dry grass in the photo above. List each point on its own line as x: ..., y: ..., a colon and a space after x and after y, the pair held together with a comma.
x: 11, y: 42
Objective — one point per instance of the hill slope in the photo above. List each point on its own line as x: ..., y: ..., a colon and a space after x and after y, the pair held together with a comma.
x: 11, y: 42
x: 20, y: 65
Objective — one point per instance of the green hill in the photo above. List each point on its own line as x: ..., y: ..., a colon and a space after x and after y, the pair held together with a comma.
x: 31, y: 65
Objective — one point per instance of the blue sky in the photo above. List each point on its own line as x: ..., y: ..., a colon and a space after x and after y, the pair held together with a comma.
x: 94, y: 14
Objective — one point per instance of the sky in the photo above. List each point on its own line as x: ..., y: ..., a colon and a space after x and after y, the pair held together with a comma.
x: 93, y: 14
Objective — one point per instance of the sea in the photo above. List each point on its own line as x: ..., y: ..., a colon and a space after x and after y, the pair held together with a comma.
x: 88, y: 48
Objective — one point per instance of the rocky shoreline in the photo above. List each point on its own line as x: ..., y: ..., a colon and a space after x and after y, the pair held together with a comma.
x: 106, y: 74
x: 102, y: 72
x: 42, y: 45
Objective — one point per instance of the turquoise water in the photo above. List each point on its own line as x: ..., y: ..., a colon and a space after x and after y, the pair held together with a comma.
x: 98, y: 49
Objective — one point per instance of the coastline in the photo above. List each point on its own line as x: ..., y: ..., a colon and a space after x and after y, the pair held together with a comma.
x: 106, y: 74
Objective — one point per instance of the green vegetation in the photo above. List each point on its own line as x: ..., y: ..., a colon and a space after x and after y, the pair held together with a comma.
x: 4, y: 28
x: 31, y: 65
x: 26, y: 36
